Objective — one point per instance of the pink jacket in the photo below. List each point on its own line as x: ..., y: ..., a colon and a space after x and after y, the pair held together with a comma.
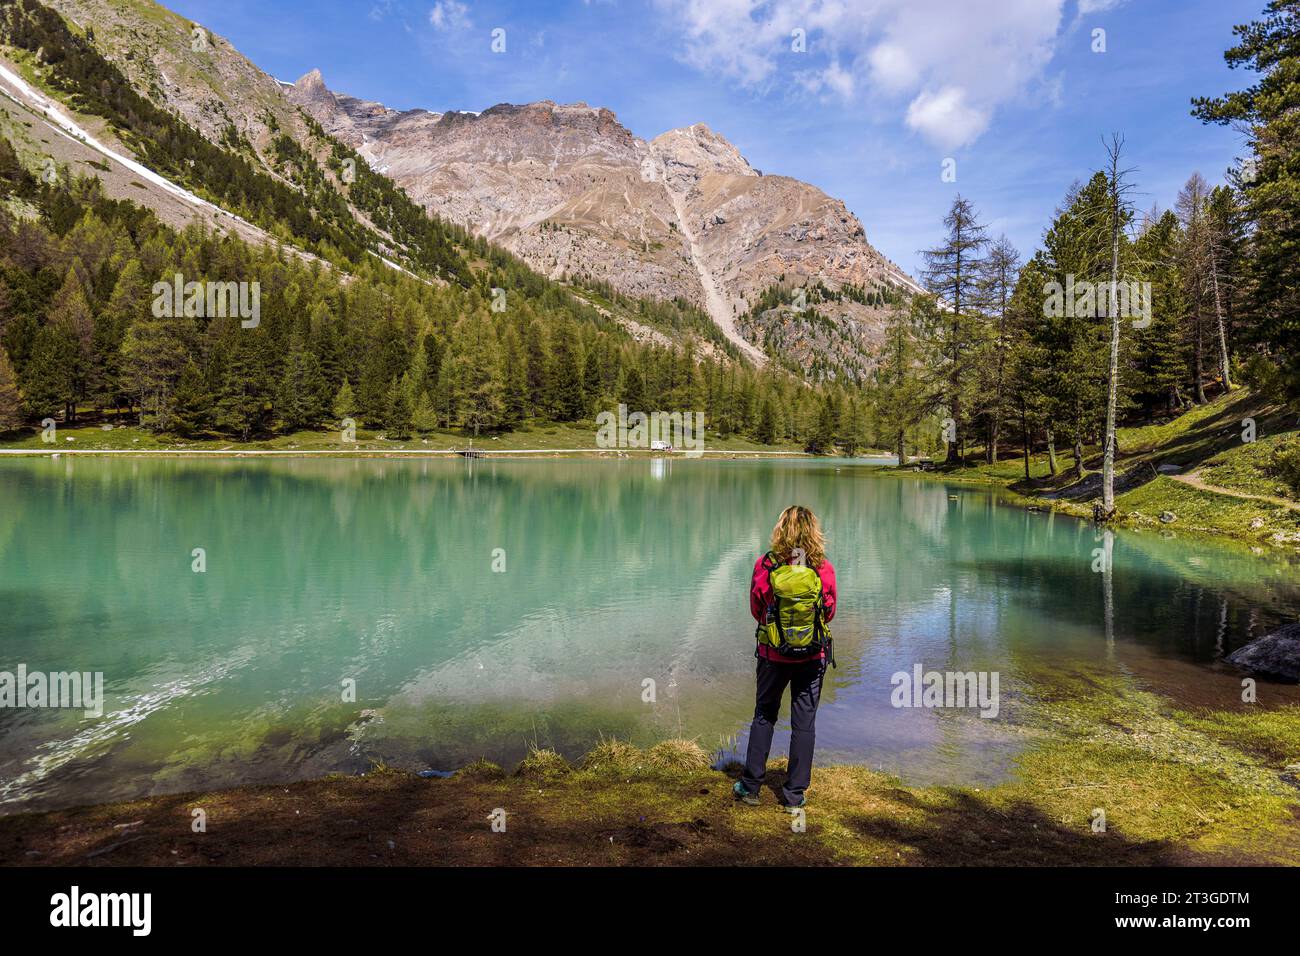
x: 760, y: 599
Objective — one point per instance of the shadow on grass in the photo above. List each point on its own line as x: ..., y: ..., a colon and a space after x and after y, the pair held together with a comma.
x: 1212, y: 435
x: 969, y: 831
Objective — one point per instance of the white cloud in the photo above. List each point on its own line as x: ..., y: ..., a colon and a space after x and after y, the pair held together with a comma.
x: 946, y: 117
x: 449, y: 15
x: 948, y: 65
x: 891, y: 67
x: 1087, y: 7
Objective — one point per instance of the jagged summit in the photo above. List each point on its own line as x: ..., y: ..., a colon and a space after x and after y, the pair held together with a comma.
x: 567, y: 187
x: 574, y: 192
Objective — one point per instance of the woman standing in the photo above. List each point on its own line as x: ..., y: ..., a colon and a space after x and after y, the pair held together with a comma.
x: 792, y: 597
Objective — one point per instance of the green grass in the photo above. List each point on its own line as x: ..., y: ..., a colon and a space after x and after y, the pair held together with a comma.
x: 1175, y: 788
x: 1204, y: 511
x: 1271, y: 735
x: 1207, y: 440
x: 542, y: 436
x: 1247, y: 468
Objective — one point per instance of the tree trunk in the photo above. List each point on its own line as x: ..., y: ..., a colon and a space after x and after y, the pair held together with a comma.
x: 1024, y: 431
x: 1112, y: 378
x: 902, y: 451
x: 1223, y: 333
x: 1078, y: 459
x: 1199, y: 361
x: 1051, y: 453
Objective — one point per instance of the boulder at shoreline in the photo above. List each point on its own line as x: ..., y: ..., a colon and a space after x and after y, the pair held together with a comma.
x: 1277, y: 653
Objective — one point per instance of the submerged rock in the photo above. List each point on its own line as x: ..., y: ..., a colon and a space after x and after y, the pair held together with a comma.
x: 1277, y: 653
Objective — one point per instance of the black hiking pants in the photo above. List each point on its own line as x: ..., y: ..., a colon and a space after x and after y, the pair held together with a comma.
x: 805, y: 682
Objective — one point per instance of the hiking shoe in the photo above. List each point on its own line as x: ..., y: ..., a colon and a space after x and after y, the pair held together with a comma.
x: 792, y: 807
x: 744, y: 795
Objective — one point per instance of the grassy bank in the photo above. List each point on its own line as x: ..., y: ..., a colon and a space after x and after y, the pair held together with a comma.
x: 558, y: 439
x: 1175, y: 787
x: 1192, y: 474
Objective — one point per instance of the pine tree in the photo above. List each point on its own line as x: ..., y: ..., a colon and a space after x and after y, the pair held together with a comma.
x: 302, y: 398
x: 592, y: 385
x: 998, y: 282
x: 566, y: 395
x: 433, y: 349
x: 426, y: 416
x: 1077, y: 249
x: 400, y: 421
x: 47, y: 381
x: 1224, y: 233
x: 10, y: 399
x: 1270, y: 111
x: 767, y: 433
x: 418, y: 373
x: 823, y: 434
x: 244, y: 389
x: 898, y: 376
x: 516, y: 404
x: 129, y: 298
x: 70, y: 311
x: 476, y: 372
x: 1159, y: 355
x: 1194, y: 266
x: 372, y: 392
x: 154, y: 353
x: 634, y: 395
x: 537, y: 345
x: 192, y: 405
x: 952, y: 273
x: 345, y: 403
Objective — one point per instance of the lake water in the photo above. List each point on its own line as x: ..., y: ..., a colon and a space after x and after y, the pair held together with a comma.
x: 482, y: 607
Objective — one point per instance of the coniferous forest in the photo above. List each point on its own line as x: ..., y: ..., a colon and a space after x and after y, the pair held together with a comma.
x: 1013, y: 515
x: 977, y: 364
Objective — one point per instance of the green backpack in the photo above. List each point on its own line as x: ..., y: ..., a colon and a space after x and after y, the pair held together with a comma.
x: 795, y: 624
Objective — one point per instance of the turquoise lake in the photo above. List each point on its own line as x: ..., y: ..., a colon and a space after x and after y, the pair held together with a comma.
x: 481, y: 607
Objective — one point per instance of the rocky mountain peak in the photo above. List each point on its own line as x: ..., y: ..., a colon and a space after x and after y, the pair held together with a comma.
x: 701, y: 150
x: 565, y: 186
x: 573, y: 192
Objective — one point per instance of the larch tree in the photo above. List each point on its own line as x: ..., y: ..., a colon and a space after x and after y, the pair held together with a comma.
x: 1001, y: 269
x: 952, y: 273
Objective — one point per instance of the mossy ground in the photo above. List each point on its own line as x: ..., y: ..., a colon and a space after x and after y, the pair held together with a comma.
x: 1175, y: 788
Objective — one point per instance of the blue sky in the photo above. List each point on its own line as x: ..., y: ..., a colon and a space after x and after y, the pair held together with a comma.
x: 882, y: 93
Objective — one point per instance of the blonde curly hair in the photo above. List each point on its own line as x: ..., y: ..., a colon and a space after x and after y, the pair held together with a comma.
x: 798, y: 530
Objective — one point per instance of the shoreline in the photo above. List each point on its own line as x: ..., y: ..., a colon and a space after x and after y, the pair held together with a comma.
x: 1280, y: 542
x: 1274, y: 539
x: 478, y: 454
x: 1177, y: 788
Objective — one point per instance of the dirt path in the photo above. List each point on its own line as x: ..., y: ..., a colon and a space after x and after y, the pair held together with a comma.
x: 1193, y: 478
